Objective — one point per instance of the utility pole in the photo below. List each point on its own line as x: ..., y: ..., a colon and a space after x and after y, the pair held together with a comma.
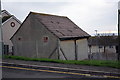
x: 119, y: 30
x: 0, y: 41
x: 96, y: 32
x: 1, y: 49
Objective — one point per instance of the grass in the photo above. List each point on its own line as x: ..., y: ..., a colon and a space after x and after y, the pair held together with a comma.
x: 105, y: 63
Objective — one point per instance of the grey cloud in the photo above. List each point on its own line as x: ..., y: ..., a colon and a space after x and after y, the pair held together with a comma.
x: 21, y: 9
x: 89, y: 16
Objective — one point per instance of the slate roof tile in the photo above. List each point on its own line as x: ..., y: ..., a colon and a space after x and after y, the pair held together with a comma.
x: 61, y: 26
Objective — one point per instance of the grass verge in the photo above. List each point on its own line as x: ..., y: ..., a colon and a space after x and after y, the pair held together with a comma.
x: 105, y: 63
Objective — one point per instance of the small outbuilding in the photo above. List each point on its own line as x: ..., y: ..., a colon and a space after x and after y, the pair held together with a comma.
x: 50, y: 36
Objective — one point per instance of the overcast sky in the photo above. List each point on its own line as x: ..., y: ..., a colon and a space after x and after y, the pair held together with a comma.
x: 90, y: 15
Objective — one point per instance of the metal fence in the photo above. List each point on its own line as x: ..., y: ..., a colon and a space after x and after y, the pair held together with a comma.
x: 103, y: 56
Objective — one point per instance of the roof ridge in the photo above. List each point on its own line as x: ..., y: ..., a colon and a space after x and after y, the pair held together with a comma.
x: 47, y: 14
x: 60, y: 22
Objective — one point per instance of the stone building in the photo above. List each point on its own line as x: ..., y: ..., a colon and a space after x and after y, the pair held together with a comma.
x: 50, y: 36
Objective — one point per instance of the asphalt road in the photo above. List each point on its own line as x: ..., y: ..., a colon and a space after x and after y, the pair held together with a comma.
x: 23, y: 73
x: 11, y: 70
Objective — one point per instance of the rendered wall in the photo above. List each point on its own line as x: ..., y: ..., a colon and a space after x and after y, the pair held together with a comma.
x: 96, y: 49
x: 32, y: 44
x: 8, y: 31
x: 82, y: 47
x: 68, y: 48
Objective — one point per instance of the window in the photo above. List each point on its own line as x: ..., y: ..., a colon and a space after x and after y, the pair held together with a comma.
x: 12, y: 24
x: 45, y: 39
x: 19, y: 38
x: 110, y: 46
x: 100, y: 46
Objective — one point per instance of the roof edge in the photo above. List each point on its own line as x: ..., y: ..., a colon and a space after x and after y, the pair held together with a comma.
x: 6, y: 12
x: 20, y: 26
x: 79, y: 27
x: 7, y: 20
x: 73, y: 38
x: 46, y: 14
x: 17, y: 19
x: 12, y: 16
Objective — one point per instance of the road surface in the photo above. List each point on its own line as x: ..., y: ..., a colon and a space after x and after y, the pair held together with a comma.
x: 24, y: 73
x: 11, y: 70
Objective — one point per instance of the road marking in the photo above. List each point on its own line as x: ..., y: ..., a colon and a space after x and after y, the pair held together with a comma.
x: 105, y: 76
x: 111, y: 76
x: 61, y: 68
x: 45, y: 70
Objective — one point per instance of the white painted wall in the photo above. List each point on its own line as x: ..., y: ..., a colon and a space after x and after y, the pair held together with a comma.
x: 96, y: 49
x: 111, y: 50
x: 68, y: 48
x: 8, y: 31
x: 82, y: 47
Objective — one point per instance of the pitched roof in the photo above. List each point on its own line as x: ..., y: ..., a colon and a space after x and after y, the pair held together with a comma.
x: 61, y: 26
x: 5, y: 18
